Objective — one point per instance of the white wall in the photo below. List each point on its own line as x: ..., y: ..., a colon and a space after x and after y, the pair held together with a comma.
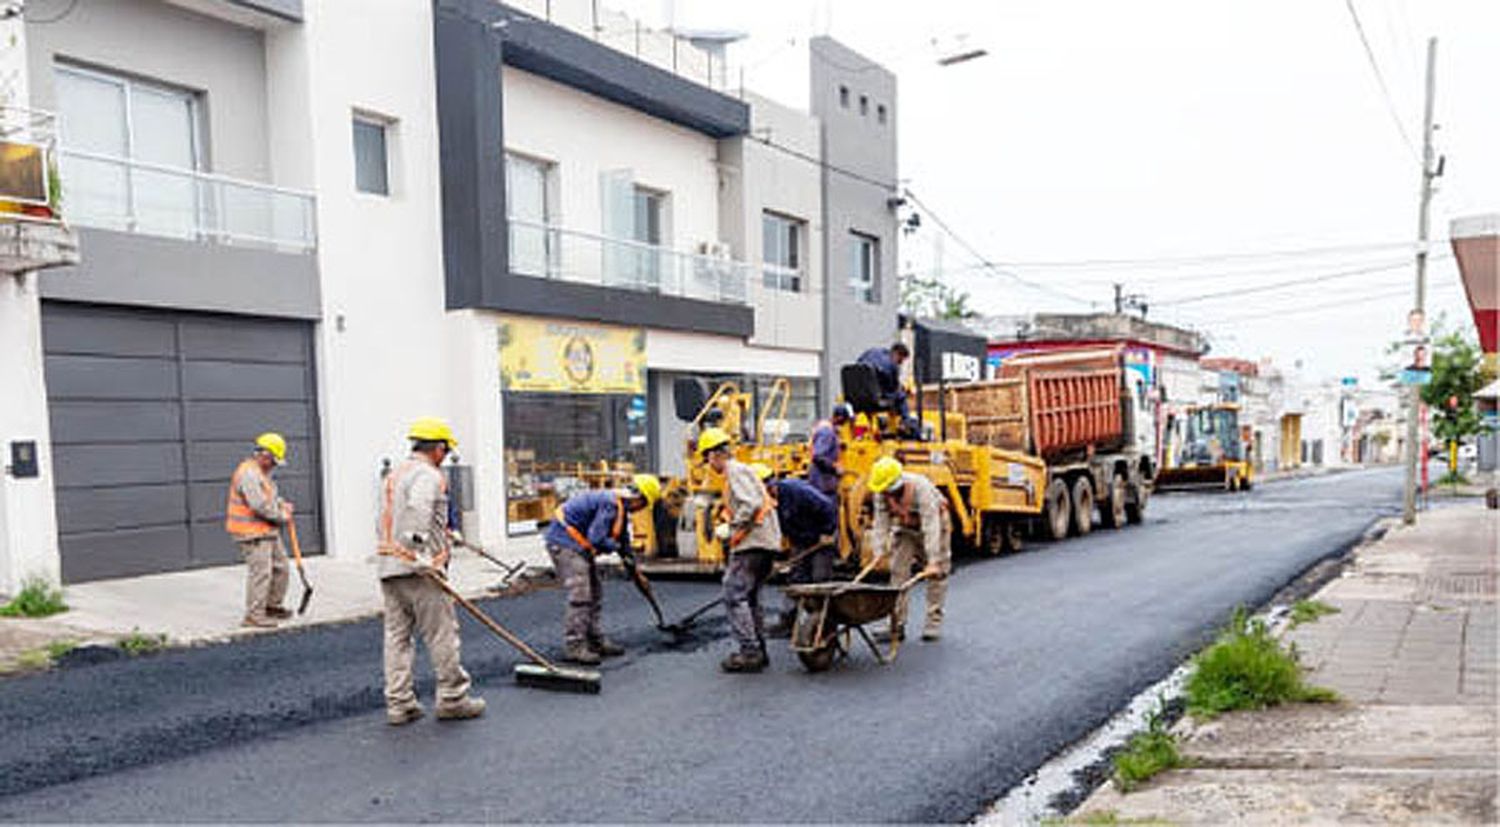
x: 703, y: 353
x: 586, y: 136
x: 385, y: 340
x: 165, y: 43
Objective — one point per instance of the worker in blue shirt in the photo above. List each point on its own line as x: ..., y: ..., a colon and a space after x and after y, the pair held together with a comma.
x: 589, y: 524
x: 825, y: 471
x: 810, y: 524
x: 887, y: 363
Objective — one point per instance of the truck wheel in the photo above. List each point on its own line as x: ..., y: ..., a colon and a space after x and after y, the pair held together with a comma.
x: 1112, y: 509
x: 1083, y: 506
x: 1001, y: 537
x: 1057, y: 512
x: 1012, y: 537
x: 1135, y: 504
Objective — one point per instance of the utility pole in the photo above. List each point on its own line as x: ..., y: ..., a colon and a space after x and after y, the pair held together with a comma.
x: 1119, y: 298
x: 1414, y: 397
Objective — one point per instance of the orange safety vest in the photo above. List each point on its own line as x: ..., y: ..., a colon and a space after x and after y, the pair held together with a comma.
x: 767, y: 505
x: 385, y: 543
x: 578, y: 536
x: 240, y: 520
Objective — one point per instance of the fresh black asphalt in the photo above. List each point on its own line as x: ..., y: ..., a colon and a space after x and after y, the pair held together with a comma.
x: 1039, y: 649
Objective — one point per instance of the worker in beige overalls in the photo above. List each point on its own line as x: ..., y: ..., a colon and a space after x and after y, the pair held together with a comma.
x: 751, y: 537
x: 253, y: 516
x: 413, y: 547
x: 912, y: 529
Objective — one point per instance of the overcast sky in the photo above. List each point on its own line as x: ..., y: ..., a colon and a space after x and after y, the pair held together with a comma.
x: 1162, y: 129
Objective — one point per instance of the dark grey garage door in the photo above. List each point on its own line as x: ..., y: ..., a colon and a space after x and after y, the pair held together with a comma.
x: 151, y: 411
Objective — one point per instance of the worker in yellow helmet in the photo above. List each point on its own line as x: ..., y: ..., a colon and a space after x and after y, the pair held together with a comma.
x: 751, y: 535
x: 413, y: 543
x: 912, y: 528
x: 589, y: 524
x: 253, y: 516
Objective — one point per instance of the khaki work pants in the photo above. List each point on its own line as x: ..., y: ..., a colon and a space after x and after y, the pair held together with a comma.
x: 908, y: 559
x: 266, y: 574
x: 745, y: 573
x: 580, y: 579
x: 414, y: 603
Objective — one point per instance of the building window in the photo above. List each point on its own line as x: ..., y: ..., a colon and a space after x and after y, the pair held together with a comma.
x: 649, y: 235
x: 529, y: 193
x: 864, y: 105
x: 371, y: 156
x: 844, y: 96
x: 864, y: 263
x: 109, y: 122
x: 880, y: 113
x: 781, y: 252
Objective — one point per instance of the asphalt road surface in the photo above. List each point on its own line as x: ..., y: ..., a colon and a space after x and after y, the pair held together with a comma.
x: 1039, y: 649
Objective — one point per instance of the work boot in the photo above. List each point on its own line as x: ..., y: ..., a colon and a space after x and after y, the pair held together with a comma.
x: 278, y: 612
x: 578, y: 651
x: 251, y: 622
x: 467, y: 708
x: 403, y: 715
x: 932, y: 632
x: 744, y: 662
x: 605, y: 647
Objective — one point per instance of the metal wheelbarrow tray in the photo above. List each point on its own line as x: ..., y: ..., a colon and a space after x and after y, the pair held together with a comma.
x: 830, y: 614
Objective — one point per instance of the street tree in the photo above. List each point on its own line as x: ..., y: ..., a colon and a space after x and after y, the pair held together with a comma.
x: 932, y: 298
x: 1457, y: 374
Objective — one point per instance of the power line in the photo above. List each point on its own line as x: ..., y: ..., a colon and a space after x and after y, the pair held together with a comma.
x: 1210, y: 257
x: 889, y: 186
x: 1242, y: 291
x: 56, y: 18
x: 1385, y: 92
x: 1373, y: 297
x: 987, y: 264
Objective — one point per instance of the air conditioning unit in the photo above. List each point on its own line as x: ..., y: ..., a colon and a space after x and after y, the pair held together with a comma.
x: 715, y: 249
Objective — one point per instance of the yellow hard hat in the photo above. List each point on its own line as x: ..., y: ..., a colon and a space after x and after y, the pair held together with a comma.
x: 884, y: 474
x: 761, y: 470
x: 712, y: 438
x: 432, y: 429
x: 648, y: 486
x: 273, y: 443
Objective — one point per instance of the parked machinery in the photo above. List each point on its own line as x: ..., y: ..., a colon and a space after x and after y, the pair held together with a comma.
x: 1213, y: 454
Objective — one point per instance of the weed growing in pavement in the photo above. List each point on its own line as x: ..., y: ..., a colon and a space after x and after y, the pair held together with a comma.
x: 1103, y: 817
x: 1147, y: 753
x: 1453, y: 478
x: 33, y: 659
x: 58, y: 648
x: 37, y: 598
x: 136, y: 643
x: 1247, y: 668
x: 1307, y: 611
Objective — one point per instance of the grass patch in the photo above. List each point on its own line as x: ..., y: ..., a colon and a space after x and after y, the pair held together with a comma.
x: 1103, y: 817
x: 1307, y: 611
x: 137, y: 643
x: 1453, y: 478
x: 37, y: 598
x: 34, y: 659
x: 58, y: 648
x: 1146, y: 754
x: 1247, y: 668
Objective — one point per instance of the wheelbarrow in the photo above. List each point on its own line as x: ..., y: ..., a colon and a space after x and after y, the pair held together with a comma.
x: 830, y: 614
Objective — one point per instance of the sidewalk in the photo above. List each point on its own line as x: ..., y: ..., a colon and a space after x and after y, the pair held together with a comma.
x: 1413, y: 652
x: 206, y: 605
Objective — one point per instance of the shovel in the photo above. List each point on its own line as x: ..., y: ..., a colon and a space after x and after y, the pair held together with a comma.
x: 643, y: 586
x: 540, y: 673
x: 307, y: 590
x: 510, y: 570
x: 682, y: 626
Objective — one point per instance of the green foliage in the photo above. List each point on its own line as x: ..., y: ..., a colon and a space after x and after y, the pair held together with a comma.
x: 1453, y: 478
x: 33, y: 659
x: 58, y: 648
x: 137, y: 643
x: 1247, y: 668
x: 1147, y: 754
x: 1307, y: 611
x: 1457, y: 374
x: 930, y: 298
x: 38, y: 598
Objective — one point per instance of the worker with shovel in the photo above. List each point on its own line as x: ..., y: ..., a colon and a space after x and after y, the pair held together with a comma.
x: 810, y: 522
x: 413, y: 549
x: 253, y: 516
x: 751, y: 536
x: 912, y: 528
x: 591, y: 523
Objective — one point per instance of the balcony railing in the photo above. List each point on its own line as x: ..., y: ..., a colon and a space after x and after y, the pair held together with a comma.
x: 141, y: 197
x: 548, y: 251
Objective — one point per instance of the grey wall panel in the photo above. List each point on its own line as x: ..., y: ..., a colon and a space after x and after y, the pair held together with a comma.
x: 244, y: 340
x: 103, y: 555
x: 103, y: 377
x: 207, y: 498
x: 230, y: 420
x: 230, y: 380
x: 92, y: 330
x: 217, y: 459
x: 167, y: 273
x: 115, y: 422
x: 142, y: 463
x: 126, y: 506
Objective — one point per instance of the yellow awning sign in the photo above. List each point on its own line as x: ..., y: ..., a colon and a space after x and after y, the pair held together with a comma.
x: 547, y: 356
